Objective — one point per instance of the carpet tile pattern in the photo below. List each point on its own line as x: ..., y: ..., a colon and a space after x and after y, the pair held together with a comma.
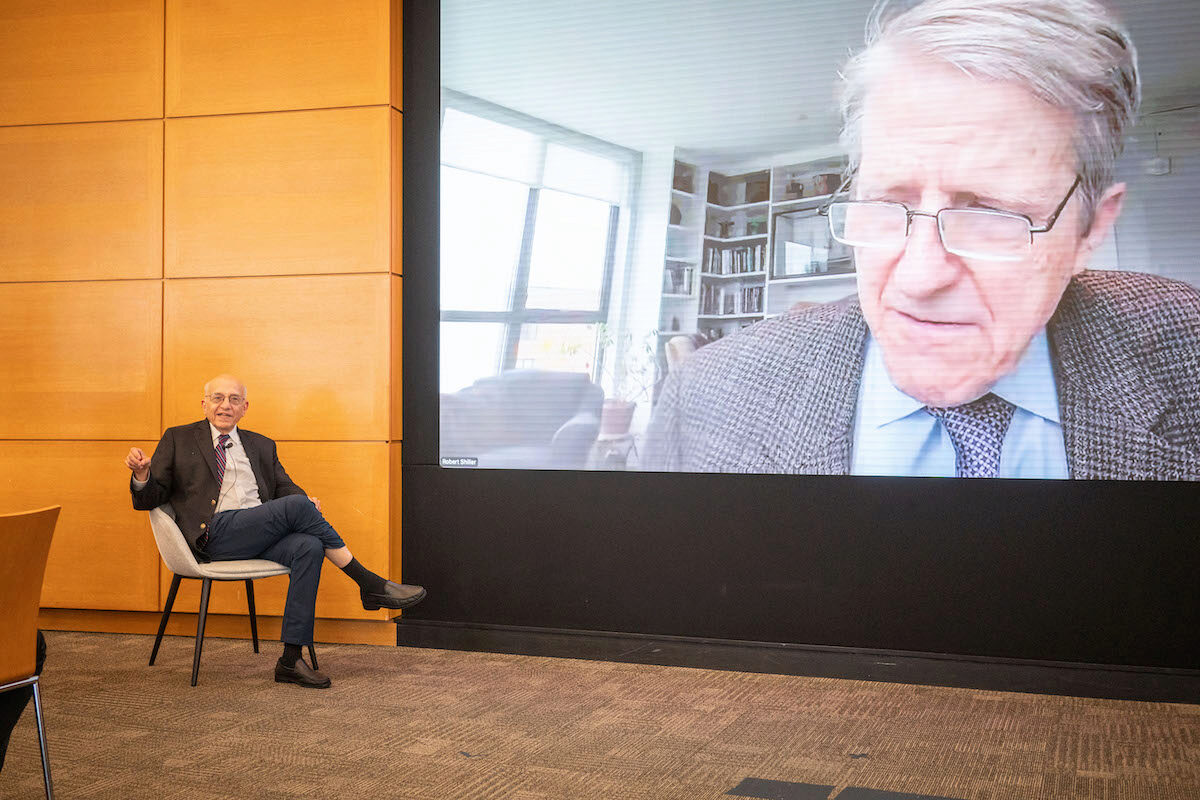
x: 422, y: 724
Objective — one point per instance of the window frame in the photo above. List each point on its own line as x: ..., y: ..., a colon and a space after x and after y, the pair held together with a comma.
x: 518, y: 313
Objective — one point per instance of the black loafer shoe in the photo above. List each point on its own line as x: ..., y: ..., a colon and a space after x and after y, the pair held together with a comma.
x: 394, y: 595
x: 301, y: 674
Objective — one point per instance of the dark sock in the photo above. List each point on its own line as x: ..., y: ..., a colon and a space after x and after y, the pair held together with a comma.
x: 367, y: 581
x: 291, y: 654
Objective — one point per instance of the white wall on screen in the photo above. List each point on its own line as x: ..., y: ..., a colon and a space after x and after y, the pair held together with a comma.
x: 637, y: 295
x: 1158, y: 231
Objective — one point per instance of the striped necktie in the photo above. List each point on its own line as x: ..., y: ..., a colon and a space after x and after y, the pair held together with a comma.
x: 222, y: 440
x: 977, y: 432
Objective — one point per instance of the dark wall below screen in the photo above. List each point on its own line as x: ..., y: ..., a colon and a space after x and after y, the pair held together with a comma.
x: 1100, y: 573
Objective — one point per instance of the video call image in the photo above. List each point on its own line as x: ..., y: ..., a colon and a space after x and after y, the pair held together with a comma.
x: 928, y: 238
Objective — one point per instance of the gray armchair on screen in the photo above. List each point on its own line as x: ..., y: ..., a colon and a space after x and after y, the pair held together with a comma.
x: 180, y: 559
x: 523, y: 419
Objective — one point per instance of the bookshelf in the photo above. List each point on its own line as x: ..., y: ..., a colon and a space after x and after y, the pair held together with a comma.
x: 748, y: 245
x: 681, y: 262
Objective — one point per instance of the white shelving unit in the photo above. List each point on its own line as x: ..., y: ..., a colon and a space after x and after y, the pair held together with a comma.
x: 681, y: 264
x: 716, y: 276
x: 721, y: 272
x: 801, y: 202
x: 735, y: 239
x: 837, y: 276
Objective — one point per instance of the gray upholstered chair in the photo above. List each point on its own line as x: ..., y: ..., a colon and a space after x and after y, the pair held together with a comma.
x: 523, y: 419
x: 182, y: 562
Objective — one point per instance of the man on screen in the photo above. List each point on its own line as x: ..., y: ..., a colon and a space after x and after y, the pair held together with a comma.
x: 982, y: 136
x: 234, y: 500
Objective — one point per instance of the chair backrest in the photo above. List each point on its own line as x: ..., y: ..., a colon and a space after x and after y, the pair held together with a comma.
x: 24, y: 548
x: 171, y: 545
x: 516, y: 407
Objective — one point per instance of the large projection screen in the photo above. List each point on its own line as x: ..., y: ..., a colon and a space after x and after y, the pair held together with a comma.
x: 672, y: 331
x: 669, y: 256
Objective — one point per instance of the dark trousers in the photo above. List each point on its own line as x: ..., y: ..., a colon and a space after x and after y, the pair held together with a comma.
x: 13, y: 703
x: 291, y: 531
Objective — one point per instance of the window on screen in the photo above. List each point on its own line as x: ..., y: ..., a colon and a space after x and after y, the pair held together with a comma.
x: 530, y: 224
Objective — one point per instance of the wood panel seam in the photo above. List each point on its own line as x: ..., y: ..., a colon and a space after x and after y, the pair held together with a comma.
x: 79, y: 122
x: 279, y: 111
x: 79, y: 280
x: 162, y: 276
x: 274, y: 275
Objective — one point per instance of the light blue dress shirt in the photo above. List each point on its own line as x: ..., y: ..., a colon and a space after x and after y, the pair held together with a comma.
x: 894, y: 435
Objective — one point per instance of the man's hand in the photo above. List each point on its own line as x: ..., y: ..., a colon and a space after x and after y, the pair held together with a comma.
x: 139, y: 463
x: 315, y: 501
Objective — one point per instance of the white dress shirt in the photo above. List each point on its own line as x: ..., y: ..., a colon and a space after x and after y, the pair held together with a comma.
x: 238, y: 489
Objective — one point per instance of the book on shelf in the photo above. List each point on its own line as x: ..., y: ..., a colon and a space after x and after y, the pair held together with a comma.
x: 684, y: 178
x: 730, y: 301
x: 735, y: 260
x: 752, y: 300
x: 677, y: 279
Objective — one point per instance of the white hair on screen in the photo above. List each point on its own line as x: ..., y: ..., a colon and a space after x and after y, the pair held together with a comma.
x: 1072, y: 54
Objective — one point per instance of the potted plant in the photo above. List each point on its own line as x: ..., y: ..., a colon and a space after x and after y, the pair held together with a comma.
x: 630, y: 368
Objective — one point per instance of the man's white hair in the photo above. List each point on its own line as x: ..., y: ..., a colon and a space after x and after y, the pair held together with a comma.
x: 1071, y: 54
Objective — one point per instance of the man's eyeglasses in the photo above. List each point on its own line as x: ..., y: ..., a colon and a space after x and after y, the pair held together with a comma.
x: 234, y: 399
x: 967, y: 232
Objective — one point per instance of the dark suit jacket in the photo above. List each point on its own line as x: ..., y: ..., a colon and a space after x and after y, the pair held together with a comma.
x: 781, y: 395
x: 183, y: 472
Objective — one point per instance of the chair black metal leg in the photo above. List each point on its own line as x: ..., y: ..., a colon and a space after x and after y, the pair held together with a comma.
x: 200, y: 627
x: 253, y: 618
x: 162, y: 626
x: 41, y: 726
x: 312, y: 655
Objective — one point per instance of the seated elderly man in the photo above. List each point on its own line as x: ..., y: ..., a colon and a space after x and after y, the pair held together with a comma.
x: 234, y: 500
x: 982, y: 136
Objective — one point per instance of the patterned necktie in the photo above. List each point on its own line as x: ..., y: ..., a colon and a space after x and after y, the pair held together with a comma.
x: 977, y: 431
x: 221, y: 441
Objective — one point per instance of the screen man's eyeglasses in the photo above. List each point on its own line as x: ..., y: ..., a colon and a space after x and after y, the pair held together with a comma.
x: 966, y: 232
x: 235, y: 400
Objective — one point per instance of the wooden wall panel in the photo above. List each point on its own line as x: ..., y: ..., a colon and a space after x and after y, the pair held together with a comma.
x: 81, y: 201
x: 256, y: 220
x: 351, y: 481
x: 81, y: 360
x: 80, y: 60
x: 278, y: 194
x: 313, y: 352
x: 269, y: 55
x: 103, y: 554
x: 397, y: 342
x: 395, y: 475
x: 397, y: 53
x: 395, y: 158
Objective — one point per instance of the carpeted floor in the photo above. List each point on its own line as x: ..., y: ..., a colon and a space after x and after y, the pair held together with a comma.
x: 438, y: 724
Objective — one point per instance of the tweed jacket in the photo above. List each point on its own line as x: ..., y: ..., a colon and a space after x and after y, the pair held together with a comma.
x: 183, y: 472
x: 780, y: 396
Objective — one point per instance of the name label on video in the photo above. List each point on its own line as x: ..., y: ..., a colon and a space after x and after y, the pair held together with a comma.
x: 460, y: 462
